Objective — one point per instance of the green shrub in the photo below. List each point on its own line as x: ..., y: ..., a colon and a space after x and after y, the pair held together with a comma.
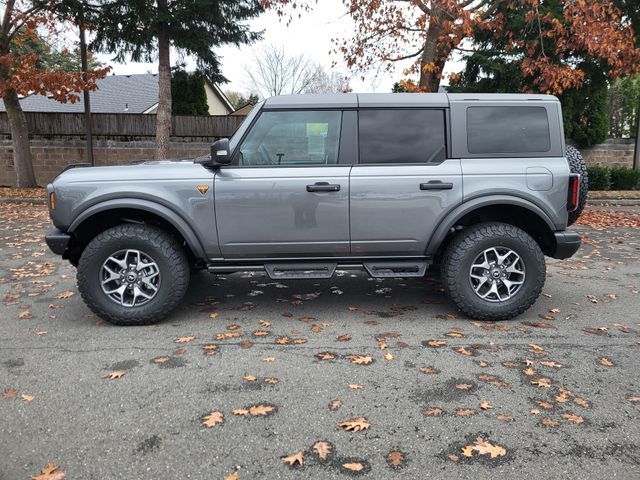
x: 599, y: 178
x: 625, y: 179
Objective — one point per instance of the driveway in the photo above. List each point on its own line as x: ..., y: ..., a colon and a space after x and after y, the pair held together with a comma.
x: 344, y: 377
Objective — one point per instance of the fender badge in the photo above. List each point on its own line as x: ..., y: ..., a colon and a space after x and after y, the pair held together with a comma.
x: 203, y: 189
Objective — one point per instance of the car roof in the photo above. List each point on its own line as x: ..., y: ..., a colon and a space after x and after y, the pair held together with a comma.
x: 382, y: 100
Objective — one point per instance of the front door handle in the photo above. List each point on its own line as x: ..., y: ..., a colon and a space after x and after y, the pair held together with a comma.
x: 323, y: 187
x: 436, y: 185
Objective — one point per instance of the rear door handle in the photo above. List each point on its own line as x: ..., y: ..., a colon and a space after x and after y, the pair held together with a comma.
x: 323, y: 187
x: 436, y: 185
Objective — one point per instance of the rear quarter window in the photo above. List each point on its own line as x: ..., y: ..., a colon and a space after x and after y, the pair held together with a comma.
x: 516, y: 130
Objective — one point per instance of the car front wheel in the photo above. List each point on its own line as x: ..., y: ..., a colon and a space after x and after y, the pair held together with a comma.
x: 133, y: 274
x: 493, y: 271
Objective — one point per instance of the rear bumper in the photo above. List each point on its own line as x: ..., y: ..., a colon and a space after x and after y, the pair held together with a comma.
x: 57, y: 241
x: 567, y: 243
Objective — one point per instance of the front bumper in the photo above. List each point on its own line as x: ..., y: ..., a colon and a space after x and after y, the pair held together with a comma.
x: 567, y: 243
x: 57, y: 241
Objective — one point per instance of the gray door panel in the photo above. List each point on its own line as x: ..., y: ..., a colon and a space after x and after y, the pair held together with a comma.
x: 391, y: 214
x: 268, y: 212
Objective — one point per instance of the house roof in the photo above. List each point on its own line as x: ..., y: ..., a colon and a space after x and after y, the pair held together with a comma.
x: 115, y: 94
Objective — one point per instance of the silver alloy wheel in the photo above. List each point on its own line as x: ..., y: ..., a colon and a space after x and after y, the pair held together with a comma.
x: 130, y: 278
x: 497, y: 274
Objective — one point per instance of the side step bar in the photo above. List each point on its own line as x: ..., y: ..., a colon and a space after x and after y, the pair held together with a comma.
x: 396, y: 269
x: 278, y: 271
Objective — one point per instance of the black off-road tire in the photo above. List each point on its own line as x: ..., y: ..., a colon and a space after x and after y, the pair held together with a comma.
x: 163, y: 248
x: 465, y: 248
x: 577, y: 165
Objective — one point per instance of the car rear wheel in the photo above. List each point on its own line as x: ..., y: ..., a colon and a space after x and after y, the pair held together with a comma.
x: 493, y: 271
x: 133, y: 274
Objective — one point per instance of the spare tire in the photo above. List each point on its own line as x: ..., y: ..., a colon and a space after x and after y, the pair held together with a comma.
x: 577, y: 165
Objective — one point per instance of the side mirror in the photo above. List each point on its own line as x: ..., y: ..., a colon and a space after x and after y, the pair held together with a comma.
x: 220, y: 154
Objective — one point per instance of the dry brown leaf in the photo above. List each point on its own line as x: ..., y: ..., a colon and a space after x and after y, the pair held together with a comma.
x: 271, y: 380
x: 454, y: 335
x: 541, y: 382
x: 483, y: 447
x: 485, y: 405
x: 185, y: 339
x: 66, y: 294
x: 344, y: 338
x: 250, y: 378
x: 50, y: 472
x: 570, y: 417
x: 464, y: 351
x: 214, y: 418
x: 353, y: 466
x: 435, y: 343
x: 246, y: 344
x: 260, y: 410
x: 355, y: 386
x: 582, y: 402
x: 294, y: 458
x: 545, y: 405
x: 282, y: 340
x: 355, y: 425
x: 180, y: 351
x: 25, y: 314
x: 227, y: 335
x: 115, y: 375
x: 240, y: 411
x: 9, y: 393
x: 452, y: 457
x: 429, y: 370
x: 268, y: 359
x: 213, y: 315
x: 322, y: 449
x: 27, y: 398
x: 396, y: 458
x: 232, y: 476
x: 606, y: 362
x: 547, y: 422
x: 530, y: 372
x: 260, y: 333
x: 467, y: 451
x: 634, y: 398
x: 388, y: 356
x: 160, y: 360
x: 359, y: 359
x: 465, y: 412
x: 550, y: 363
x: 432, y: 411
x: 504, y: 418
x: 463, y: 386
x: 325, y: 356
x: 535, y: 411
x: 264, y: 323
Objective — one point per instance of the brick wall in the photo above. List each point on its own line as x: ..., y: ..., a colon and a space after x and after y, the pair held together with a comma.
x: 615, y: 152
x: 51, y: 156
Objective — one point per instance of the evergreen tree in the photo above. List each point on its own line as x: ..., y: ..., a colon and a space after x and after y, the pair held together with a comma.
x: 141, y: 30
x: 188, y: 93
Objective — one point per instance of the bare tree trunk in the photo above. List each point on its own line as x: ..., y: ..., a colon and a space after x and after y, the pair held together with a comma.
x: 22, y: 163
x: 163, y: 114
x: 432, y: 56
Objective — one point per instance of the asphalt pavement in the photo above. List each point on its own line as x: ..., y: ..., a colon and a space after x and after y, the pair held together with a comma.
x: 554, y: 393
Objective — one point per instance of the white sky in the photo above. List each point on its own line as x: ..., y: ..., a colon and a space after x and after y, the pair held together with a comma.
x: 310, y: 35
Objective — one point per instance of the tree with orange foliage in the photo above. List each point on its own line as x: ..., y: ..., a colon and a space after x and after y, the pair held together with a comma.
x: 392, y: 31
x: 21, y: 74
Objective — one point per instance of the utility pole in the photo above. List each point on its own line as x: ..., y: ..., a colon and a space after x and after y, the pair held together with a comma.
x: 87, y: 102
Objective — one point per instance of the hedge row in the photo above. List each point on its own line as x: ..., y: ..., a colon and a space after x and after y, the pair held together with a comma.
x: 605, y: 178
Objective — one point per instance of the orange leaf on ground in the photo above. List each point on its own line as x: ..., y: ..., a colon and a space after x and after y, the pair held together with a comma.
x: 214, y: 418
x: 356, y: 425
x: 294, y: 458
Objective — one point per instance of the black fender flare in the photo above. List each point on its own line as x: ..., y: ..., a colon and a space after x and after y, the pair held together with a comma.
x: 169, y: 215
x: 461, y: 210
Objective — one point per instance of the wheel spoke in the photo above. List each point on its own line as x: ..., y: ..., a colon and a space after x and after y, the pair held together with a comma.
x: 497, y: 274
x: 130, y: 277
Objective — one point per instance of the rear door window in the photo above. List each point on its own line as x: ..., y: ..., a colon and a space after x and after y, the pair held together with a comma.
x: 401, y: 136
x: 515, y: 130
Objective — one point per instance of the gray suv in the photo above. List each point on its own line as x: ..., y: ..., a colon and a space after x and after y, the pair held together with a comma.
x: 481, y: 187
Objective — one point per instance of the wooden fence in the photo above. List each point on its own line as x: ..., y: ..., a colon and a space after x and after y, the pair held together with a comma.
x: 117, y: 125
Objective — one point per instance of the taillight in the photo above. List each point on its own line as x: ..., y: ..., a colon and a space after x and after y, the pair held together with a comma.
x: 574, y: 192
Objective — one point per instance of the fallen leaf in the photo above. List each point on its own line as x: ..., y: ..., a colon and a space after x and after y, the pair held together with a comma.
x: 452, y: 457
x: 388, y: 356
x: 260, y: 410
x: 214, y: 418
x: 354, y: 466
x: 268, y: 359
x: 429, y: 370
x: 355, y: 386
x: 396, y: 458
x: 322, y: 449
x: 547, y: 422
x: 185, y: 339
x: 545, y: 405
x: 463, y: 386
x: 25, y: 314
x: 260, y: 333
x: 335, y: 405
x: 541, y: 382
x: 240, y: 411
x: 282, y: 340
x: 504, y: 418
x: 570, y: 417
x: 359, y: 359
x: 344, y: 338
x: 271, y: 380
x: 264, y: 323
x: 434, y: 343
x: 550, y: 363
x: 432, y: 411
x: 115, y: 375
x: 9, y: 393
x: 250, y: 378
x: 325, y: 356
x: 213, y: 315
x: 465, y: 412
x: 160, y: 360
x: 27, y: 398
x: 606, y: 362
x: 467, y: 451
x: 232, y: 476
x: 50, y: 472
x: 66, y: 294
x: 464, y: 351
x: 355, y: 425
x: 294, y: 458
x: 485, y: 405
x: 483, y: 447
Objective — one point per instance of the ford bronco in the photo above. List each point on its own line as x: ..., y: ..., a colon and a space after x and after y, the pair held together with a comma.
x: 479, y: 186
